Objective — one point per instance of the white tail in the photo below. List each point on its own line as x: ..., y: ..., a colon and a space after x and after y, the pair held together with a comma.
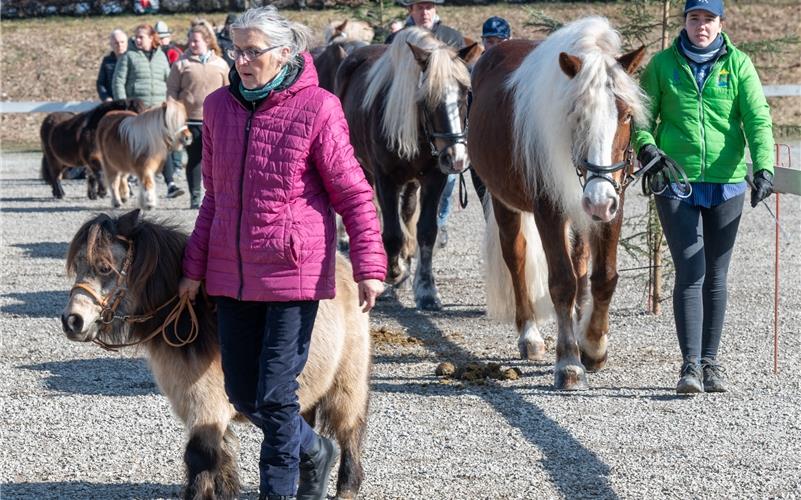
x: 498, y: 279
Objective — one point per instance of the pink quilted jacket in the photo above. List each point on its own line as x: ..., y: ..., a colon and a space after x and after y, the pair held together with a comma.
x: 273, y: 178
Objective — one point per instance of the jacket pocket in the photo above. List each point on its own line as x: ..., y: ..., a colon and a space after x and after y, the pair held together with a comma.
x: 293, y: 253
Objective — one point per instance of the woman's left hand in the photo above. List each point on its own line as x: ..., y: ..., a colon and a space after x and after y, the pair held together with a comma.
x: 369, y: 290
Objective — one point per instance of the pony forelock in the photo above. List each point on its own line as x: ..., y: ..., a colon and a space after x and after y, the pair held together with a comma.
x: 407, y: 85
x: 556, y: 116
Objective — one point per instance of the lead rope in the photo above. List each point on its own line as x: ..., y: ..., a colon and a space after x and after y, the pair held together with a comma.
x: 462, y: 191
x: 172, y: 318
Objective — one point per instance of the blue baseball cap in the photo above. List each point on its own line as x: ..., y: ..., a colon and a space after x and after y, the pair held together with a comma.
x: 497, y: 27
x: 713, y: 6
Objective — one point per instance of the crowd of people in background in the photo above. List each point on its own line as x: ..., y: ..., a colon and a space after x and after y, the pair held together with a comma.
x: 151, y: 66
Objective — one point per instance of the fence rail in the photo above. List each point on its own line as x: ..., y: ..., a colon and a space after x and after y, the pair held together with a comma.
x: 78, y: 106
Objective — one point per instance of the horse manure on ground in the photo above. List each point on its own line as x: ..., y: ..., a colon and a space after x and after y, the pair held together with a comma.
x: 477, y: 371
x: 384, y: 335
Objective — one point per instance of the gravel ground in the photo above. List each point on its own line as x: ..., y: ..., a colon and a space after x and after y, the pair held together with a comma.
x: 78, y: 422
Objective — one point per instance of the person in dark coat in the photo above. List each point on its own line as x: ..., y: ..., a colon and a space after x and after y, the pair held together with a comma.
x: 118, y: 41
x: 423, y: 14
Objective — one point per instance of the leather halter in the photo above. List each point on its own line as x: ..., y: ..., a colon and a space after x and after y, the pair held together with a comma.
x: 110, y: 303
x: 604, y: 172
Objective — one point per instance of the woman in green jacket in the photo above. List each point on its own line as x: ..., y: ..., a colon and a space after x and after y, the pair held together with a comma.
x: 705, y: 101
x: 142, y: 73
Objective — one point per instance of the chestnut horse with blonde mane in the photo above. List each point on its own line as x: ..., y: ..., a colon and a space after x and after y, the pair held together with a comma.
x: 543, y: 113
x: 128, y: 143
x: 126, y: 284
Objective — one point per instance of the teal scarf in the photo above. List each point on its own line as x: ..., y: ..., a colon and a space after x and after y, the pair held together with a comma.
x: 261, y: 93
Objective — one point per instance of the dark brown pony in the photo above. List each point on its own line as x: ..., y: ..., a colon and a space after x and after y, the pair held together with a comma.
x: 126, y: 268
x: 68, y: 140
x: 540, y: 115
x: 406, y: 105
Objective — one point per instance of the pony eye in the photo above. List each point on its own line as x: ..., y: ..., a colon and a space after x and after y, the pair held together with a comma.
x: 104, y: 269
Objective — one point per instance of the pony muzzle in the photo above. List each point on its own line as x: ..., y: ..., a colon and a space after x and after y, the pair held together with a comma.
x: 600, y: 199
x: 454, y: 159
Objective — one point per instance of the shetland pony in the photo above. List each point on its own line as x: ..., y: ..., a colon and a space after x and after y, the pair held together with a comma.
x: 327, y: 60
x: 406, y: 105
x: 128, y: 267
x: 68, y: 140
x: 542, y: 114
x: 139, y: 144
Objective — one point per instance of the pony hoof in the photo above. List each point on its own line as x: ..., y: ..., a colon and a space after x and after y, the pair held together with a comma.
x: 532, y: 351
x: 570, y: 378
x: 92, y: 195
x: 429, y: 304
x: 593, y: 365
x: 115, y: 204
x: 102, y: 193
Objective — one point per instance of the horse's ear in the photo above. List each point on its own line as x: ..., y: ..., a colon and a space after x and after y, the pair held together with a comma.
x: 466, y: 52
x: 341, y: 52
x: 632, y: 60
x: 341, y: 27
x: 571, y: 65
x: 128, y: 222
x: 420, y: 55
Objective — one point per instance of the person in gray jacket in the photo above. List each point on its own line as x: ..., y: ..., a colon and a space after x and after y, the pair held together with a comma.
x: 142, y: 73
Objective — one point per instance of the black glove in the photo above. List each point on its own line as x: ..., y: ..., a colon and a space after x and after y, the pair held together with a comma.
x: 762, y: 188
x: 649, y: 152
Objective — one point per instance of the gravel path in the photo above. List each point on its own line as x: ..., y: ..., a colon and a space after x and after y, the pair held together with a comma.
x: 78, y: 422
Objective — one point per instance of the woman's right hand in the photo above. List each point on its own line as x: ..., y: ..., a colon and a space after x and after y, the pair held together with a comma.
x: 188, y: 287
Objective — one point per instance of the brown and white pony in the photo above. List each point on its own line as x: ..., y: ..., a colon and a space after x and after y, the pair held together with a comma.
x: 406, y: 106
x: 139, y: 145
x: 68, y: 140
x: 126, y: 268
x: 541, y: 115
x: 349, y: 29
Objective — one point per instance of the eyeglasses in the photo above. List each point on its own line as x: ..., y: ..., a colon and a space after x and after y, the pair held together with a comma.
x: 248, y: 54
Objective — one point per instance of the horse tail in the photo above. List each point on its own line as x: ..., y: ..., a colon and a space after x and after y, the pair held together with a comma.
x: 498, y: 279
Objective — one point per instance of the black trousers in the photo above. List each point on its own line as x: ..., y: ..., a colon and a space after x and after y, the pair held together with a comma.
x: 194, y: 153
x: 701, y: 242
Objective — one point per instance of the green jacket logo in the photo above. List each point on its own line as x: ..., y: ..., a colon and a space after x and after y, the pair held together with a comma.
x: 723, y: 78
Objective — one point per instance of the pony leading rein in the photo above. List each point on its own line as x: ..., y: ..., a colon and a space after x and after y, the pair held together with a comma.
x: 110, y: 303
x: 675, y: 174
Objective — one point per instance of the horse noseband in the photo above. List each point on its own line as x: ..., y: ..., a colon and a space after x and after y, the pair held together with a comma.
x: 452, y: 138
x: 604, y: 172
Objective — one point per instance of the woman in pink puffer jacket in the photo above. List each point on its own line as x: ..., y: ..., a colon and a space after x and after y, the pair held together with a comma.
x: 277, y: 163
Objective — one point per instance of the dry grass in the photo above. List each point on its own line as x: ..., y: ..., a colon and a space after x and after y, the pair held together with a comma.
x: 56, y: 59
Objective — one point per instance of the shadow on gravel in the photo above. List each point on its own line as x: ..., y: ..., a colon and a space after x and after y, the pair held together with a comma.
x: 575, y: 470
x: 83, y: 489
x: 98, y: 377
x: 36, y: 304
x: 44, y: 249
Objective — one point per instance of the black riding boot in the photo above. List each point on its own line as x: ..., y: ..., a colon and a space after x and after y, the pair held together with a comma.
x: 315, y: 469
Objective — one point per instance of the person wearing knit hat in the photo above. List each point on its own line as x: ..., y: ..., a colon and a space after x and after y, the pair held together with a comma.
x: 705, y: 101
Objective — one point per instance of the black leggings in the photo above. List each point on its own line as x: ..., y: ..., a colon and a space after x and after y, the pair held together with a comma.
x: 194, y: 155
x: 701, y: 241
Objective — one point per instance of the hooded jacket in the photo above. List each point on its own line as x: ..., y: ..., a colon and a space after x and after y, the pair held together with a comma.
x: 275, y: 172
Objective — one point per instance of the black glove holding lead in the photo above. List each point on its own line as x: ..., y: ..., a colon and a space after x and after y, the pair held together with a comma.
x: 649, y: 152
x: 762, y: 188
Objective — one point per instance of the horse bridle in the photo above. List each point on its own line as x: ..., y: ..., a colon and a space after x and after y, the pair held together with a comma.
x: 604, y: 172
x: 452, y: 138
x: 110, y: 303
x: 177, y: 137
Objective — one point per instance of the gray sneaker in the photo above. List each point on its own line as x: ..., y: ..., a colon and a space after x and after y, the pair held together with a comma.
x: 690, y: 378
x: 713, y: 376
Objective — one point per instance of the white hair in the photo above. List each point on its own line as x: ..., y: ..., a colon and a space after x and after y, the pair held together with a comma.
x: 115, y: 32
x: 276, y: 29
x: 398, y: 74
x: 555, y: 116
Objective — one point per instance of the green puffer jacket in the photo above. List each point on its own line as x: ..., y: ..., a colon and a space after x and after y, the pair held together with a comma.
x: 706, y: 135
x: 136, y: 76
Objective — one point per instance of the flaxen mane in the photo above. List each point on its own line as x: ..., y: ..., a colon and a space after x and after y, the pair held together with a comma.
x: 398, y: 74
x: 144, y: 133
x: 556, y: 116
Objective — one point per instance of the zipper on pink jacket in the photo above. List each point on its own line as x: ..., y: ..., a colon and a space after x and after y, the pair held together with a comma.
x: 242, y: 201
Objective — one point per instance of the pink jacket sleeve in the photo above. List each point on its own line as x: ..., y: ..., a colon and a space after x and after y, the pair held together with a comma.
x: 349, y: 192
x: 197, y: 248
